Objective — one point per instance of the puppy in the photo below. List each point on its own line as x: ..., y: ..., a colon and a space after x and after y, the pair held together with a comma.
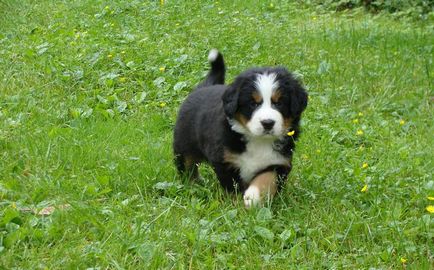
x: 246, y: 130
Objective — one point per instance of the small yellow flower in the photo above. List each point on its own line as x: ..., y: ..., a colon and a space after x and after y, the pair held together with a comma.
x: 122, y: 52
x: 403, y: 260
x: 304, y: 156
x: 356, y: 121
x: 364, y: 188
x: 161, y: 2
x: 162, y: 104
x: 430, y: 208
x: 162, y: 69
x: 112, y: 12
x: 122, y: 79
x: 106, y: 7
x: 176, y: 24
x: 110, y: 56
x: 112, y: 24
x: 271, y: 5
x: 291, y: 133
x: 364, y: 165
x: 360, y: 114
x: 14, y: 205
x: 314, y: 18
x: 401, y: 122
x: 359, y: 132
x: 318, y: 151
x: 430, y: 198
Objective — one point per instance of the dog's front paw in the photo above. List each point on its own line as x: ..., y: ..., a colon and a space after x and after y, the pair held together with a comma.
x: 252, y: 197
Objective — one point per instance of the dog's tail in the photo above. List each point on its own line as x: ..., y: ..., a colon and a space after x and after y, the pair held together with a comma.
x: 217, y: 73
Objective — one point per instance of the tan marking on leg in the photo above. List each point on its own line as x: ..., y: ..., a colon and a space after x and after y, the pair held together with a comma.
x: 190, y: 164
x: 265, y: 184
x: 189, y: 161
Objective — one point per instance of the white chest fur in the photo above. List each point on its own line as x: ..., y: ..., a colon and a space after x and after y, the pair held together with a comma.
x: 259, y: 155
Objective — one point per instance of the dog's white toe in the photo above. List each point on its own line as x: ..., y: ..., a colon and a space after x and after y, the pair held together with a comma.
x: 252, y: 197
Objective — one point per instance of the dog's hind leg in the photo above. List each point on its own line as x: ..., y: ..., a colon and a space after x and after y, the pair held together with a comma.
x: 187, y: 165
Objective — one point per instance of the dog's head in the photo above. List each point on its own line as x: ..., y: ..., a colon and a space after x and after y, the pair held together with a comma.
x: 264, y: 102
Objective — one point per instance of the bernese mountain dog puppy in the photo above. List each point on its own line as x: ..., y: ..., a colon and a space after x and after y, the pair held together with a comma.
x: 246, y: 130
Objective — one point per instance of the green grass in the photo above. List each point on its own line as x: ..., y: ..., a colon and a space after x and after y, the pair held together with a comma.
x: 86, y: 119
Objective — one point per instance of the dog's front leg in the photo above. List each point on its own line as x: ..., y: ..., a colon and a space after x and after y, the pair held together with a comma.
x: 263, y: 187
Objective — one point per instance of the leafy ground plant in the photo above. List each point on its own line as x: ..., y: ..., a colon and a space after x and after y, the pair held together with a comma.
x: 88, y: 96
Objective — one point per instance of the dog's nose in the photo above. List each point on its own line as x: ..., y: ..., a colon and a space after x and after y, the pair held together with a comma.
x: 268, y: 124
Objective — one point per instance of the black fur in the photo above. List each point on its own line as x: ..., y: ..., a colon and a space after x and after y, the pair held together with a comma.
x: 203, y: 131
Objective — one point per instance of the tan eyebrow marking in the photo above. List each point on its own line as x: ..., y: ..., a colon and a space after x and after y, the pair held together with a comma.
x: 257, y: 97
x: 276, y: 96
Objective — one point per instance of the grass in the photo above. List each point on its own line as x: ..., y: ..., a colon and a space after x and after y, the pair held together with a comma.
x: 88, y: 100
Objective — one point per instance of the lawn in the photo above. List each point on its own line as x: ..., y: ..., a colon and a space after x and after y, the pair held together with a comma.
x: 88, y: 98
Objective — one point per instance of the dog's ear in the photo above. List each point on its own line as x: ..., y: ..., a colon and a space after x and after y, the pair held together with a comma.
x: 230, y: 100
x: 298, y: 99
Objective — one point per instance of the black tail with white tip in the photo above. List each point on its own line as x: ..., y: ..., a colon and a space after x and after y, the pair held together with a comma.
x: 217, y: 73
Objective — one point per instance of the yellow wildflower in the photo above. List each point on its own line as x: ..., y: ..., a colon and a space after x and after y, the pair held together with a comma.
x: 430, y: 198
x: 291, y: 133
x: 162, y: 104
x: 359, y: 132
x: 106, y: 7
x: 360, y: 114
x: 364, y: 188
x: 162, y: 69
x: 161, y: 2
x: 314, y: 18
x: 364, y: 165
x: 122, y: 79
x: 318, y: 151
x: 271, y: 5
x: 356, y: 121
x: 430, y: 208
x: 401, y: 122
x: 110, y: 56
x: 122, y: 52
x: 112, y: 24
x: 403, y: 260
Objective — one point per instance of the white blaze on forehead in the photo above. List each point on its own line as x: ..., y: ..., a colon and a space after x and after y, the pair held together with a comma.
x: 266, y: 84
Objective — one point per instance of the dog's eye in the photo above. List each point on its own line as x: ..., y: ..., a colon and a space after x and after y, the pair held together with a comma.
x: 277, y: 103
x: 254, y: 104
